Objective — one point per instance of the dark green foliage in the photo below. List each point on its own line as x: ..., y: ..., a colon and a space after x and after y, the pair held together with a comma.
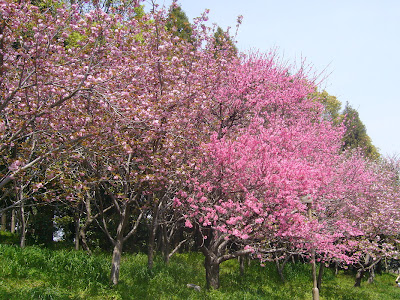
x: 356, y: 134
x: 42, y: 224
x: 9, y: 238
x: 179, y: 23
x: 221, y: 37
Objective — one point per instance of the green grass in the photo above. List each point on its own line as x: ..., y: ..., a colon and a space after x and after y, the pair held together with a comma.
x: 38, y: 273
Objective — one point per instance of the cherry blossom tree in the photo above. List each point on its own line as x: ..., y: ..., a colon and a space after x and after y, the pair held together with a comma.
x: 367, y: 206
x: 140, y: 128
x: 262, y: 158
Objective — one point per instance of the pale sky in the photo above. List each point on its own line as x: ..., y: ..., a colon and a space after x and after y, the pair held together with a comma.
x: 355, y: 42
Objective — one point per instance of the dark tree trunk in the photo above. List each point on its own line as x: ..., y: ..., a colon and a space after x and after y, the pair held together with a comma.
x: 150, y: 248
x: 280, y: 266
x: 372, y: 268
x: 212, y: 272
x: 171, y: 237
x: 3, y: 221
x: 280, y: 271
x: 168, y: 235
x: 165, y: 244
x: 242, y: 260
x: 215, y: 252
x: 23, y: 226
x: 379, y: 267
x: 362, y: 269
x: 320, y: 274
x: 88, y: 220
x: 77, y: 235
x: 359, y: 276
x: 152, y: 236
x: 371, y: 274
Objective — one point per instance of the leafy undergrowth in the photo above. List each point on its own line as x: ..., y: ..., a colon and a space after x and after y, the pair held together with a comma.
x: 36, y: 273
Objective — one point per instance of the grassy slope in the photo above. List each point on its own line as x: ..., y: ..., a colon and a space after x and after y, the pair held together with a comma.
x: 35, y: 273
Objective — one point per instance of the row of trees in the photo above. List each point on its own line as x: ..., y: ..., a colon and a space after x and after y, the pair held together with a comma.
x: 124, y: 118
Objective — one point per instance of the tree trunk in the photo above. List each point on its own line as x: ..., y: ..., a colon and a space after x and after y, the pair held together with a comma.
x: 82, y: 235
x: 23, y: 226
x: 280, y: 271
x: 116, y: 262
x: 315, y: 290
x: 320, y: 274
x: 379, y: 267
x: 150, y: 250
x: 360, y: 272
x: 281, y: 266
x: 212, y: 272
x: 371, y: 275
x: 118, y: 242
x: 88, y: 220
x: 152, y: 237
x: 241, y: 264
x: 12, y: 221
x: 153, y: 231
x: 165, y: 244
x: 359, y: 276
x: 215, y: 252
x: 77, y: 235
x: 3, y: 221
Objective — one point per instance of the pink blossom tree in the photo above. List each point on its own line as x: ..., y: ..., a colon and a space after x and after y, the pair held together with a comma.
x: 142, y: 125
x: 366, y: 208
x: 48, y: 66
x: 263, y: 157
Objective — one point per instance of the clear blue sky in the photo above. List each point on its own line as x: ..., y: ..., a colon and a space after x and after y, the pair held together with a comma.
x: 356, y: 42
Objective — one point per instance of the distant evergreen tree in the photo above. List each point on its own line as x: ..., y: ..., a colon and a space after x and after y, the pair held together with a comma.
x: 179, y: 23
x: 356, y: 135
x: 221, y: 37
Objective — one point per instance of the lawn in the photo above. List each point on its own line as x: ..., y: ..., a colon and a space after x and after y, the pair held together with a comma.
x: 40, y: 273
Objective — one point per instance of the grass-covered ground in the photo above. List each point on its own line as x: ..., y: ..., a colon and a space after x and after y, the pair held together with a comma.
x: 36, y: 273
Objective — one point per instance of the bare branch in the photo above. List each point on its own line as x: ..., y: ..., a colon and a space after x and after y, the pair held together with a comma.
x: 135, y: 226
